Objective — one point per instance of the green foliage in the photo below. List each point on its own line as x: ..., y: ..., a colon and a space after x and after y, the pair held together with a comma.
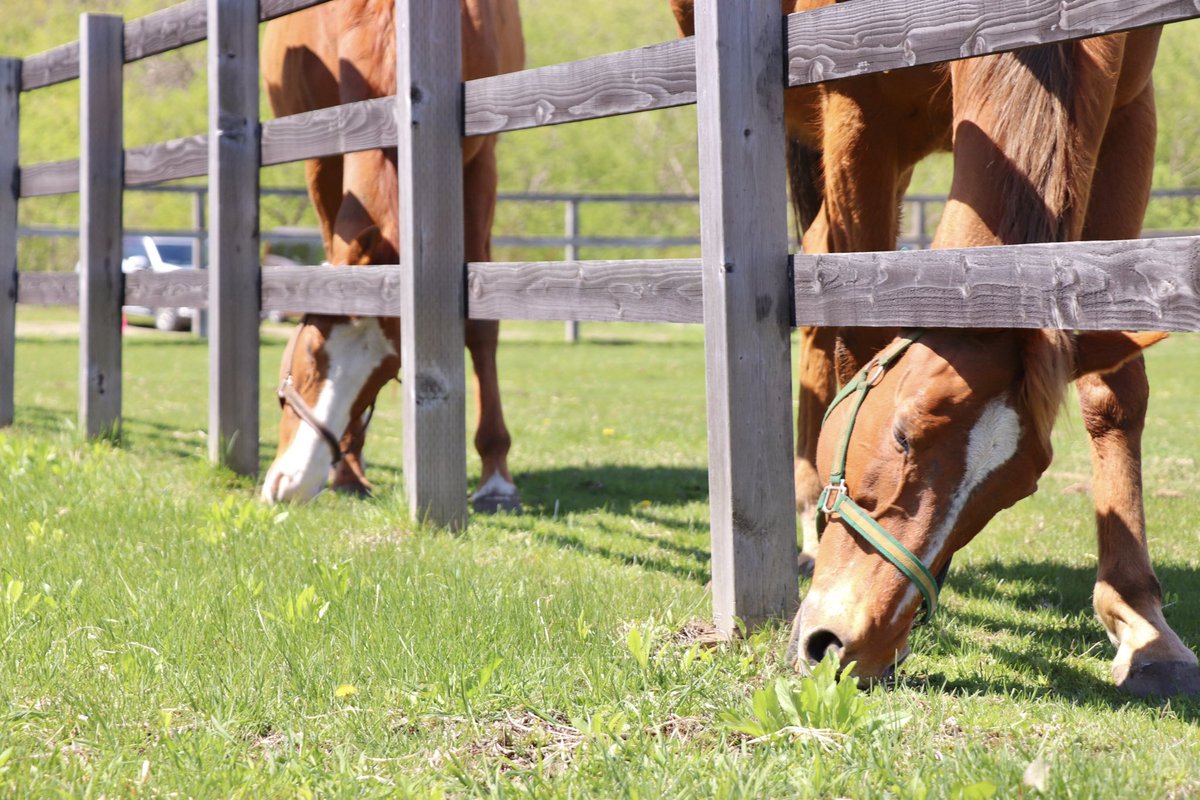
x: 827, y: 700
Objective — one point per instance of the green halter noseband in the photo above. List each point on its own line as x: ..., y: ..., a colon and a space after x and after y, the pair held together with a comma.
x: 835, y: 498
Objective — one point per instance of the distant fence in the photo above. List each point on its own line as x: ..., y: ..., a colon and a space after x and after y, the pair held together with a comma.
x: 919, y: 216
x: 744, y: 287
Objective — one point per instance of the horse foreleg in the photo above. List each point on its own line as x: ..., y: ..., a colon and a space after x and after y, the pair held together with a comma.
x: 496, y: 491
x: 324, y: 179
x: 1150, y: 659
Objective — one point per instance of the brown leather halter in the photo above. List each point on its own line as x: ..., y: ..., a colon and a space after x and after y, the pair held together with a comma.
x: 288, y: 396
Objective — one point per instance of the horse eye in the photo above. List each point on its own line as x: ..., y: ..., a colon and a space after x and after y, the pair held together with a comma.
x: 901, y: 440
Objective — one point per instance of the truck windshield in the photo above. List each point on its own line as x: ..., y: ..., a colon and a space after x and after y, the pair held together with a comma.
x: 179, y: 255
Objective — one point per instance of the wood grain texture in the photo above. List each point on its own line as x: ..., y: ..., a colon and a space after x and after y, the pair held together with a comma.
x: 167, y: 161
x: 49, y: 178
x: 48, y: 288
x: 846, y: 39
x: 178, y: 289
x: 432, y: 308
x: 747, y: 310
x: 1141, y: 284
x: 357, y: 291
x: 159, y: 32
x: 233, y: 153
x: 599, y: 291
x: 10, y: 106
x: 363, y: 125
x: 658, y: 76
x: 55, y: 65
x: 101, y: 179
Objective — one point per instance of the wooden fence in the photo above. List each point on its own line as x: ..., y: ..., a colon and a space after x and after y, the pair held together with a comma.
x: 744, y: 288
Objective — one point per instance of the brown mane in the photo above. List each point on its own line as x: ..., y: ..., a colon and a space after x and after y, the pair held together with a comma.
x: 1027, y: 95
x: 1049, y: 362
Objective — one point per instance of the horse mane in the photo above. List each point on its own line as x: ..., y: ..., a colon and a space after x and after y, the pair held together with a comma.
x: 1029, y: 95
x: 1049, y: 362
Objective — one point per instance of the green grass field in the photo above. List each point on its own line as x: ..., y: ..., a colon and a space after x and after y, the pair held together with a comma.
x: 162, y: 633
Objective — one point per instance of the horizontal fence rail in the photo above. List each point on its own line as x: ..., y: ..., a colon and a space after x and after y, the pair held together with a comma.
x: 1146, y: 284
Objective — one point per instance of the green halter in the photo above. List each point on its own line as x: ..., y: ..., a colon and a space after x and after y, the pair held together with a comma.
x: 835, y: 498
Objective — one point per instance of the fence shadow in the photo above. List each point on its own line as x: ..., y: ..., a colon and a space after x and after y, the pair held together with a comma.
x: 619, y: 488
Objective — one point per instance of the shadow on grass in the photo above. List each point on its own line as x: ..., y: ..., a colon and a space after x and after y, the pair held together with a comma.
x: 1049, y: 604
x: 619, y: 488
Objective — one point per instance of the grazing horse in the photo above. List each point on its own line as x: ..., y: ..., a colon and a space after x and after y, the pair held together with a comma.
x: 1050, y: 144
x: 335, y: 366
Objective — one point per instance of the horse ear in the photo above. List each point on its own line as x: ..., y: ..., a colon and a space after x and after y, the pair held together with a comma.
x: 359, y: 252
x: 1106, y: 351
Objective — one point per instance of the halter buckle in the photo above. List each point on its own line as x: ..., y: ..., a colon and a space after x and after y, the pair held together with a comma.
x: 831, y: 496
x: 874, y: 374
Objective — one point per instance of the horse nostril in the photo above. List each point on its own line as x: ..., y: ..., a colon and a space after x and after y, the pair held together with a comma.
x: 820, y: 643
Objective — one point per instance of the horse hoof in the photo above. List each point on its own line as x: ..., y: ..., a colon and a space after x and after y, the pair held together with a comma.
x: 354, y: 489
x: 495, y: 502
x: 806, y: 563
x: 1159, y: 678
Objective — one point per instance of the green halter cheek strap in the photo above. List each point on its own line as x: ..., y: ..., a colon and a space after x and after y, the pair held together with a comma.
x: 835, y: 498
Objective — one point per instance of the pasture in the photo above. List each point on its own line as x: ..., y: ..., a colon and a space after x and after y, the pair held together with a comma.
x: 164, y: 633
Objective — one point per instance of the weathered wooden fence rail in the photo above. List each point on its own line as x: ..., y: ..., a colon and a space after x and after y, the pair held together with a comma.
x: 743, y: 288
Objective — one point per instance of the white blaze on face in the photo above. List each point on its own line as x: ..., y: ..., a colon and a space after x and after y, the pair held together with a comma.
x: 354, y: 350
x: 992, y: 442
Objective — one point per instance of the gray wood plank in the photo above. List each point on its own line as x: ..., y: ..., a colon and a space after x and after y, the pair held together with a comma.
x: 167, y: 161
x: 361, y: 291
x: 53, y: 66
x: 233, y: 135
x: 432, y: 307
x: 158, y: 32
x: 48, y: 288
x: 846, y: 39
x: 747, y: 310
x: 1140, y: 284
x: 10, y: 104
x: 101, y: 284
x: 658, y: 76
x: 599, y: 291
x: 50, y: 178
x: 168, y: 29
x: 179, y: 289
x: 363, y: 125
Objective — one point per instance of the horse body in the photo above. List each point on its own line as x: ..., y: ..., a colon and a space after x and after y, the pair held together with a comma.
x: 339, y: 53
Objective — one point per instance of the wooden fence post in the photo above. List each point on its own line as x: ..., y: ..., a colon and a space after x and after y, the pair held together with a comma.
x: 233, y: 252
x: 429, y: 124
x: 747, y: 309
x: 10, y: 104
x: 101, y: 184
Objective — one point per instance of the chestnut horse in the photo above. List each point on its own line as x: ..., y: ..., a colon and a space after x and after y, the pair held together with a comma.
x: 334, y: 366
x: 1050, y: 144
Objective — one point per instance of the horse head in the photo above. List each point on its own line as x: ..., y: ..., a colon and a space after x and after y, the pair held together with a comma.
x: 332, y: 370
x: 929, y: 440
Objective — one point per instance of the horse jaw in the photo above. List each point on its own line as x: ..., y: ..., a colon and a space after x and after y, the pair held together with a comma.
x: 354, y: 350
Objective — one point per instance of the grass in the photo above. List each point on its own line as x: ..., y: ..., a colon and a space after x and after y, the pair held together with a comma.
x: 162, y: 633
